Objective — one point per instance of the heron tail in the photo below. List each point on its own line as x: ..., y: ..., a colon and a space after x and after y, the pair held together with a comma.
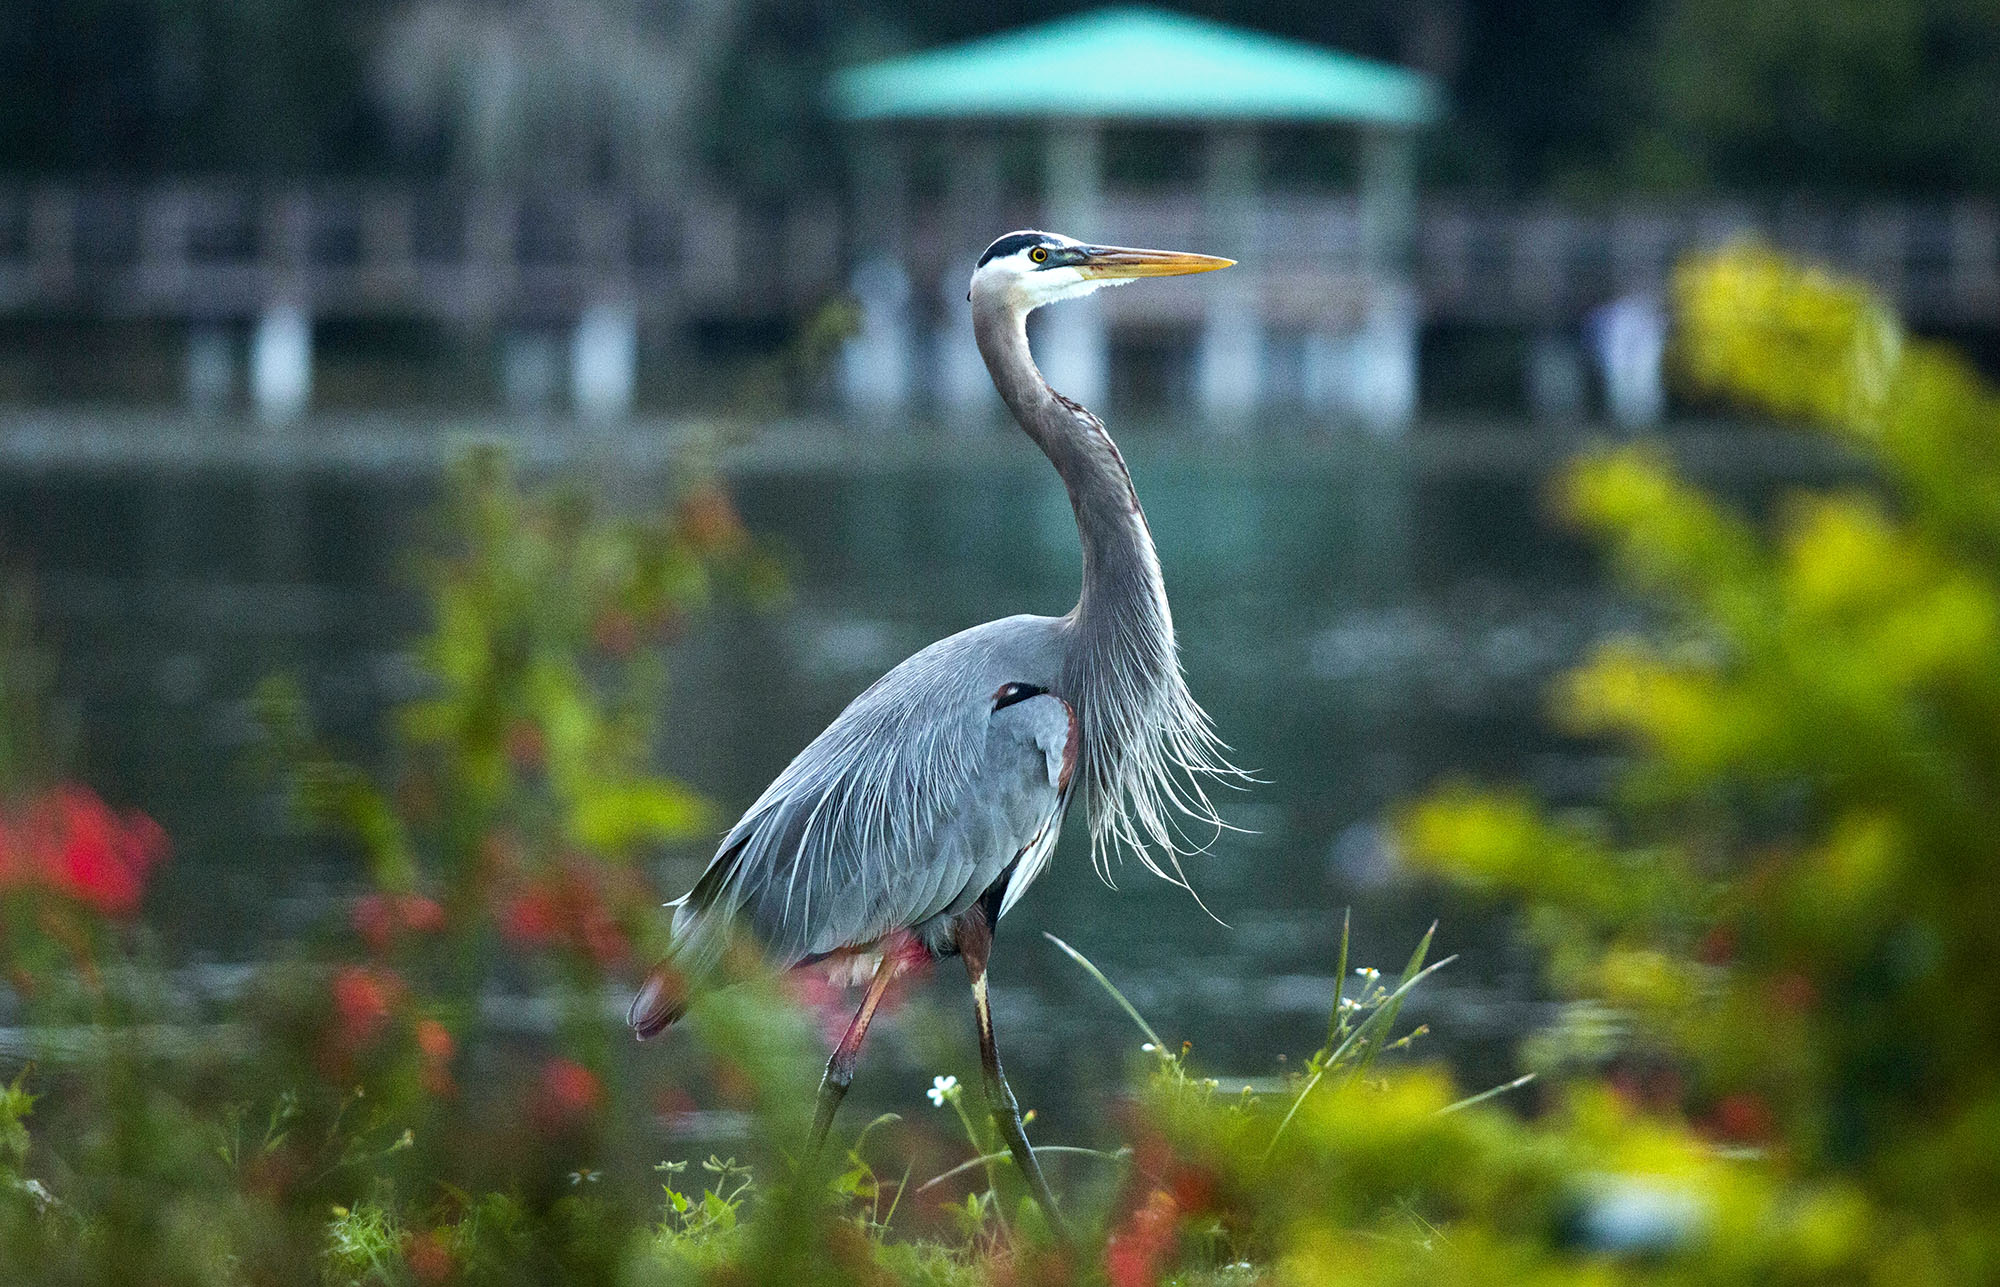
x: 660, y: 1002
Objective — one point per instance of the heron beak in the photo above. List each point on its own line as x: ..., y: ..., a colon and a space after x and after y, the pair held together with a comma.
x: 1120, y: 262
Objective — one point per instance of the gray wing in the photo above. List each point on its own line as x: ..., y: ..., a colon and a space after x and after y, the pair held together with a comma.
x: 908, y: 807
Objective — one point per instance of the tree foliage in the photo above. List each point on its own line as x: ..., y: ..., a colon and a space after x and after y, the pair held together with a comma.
x: 1839, y: 95
x: 1850, y: 96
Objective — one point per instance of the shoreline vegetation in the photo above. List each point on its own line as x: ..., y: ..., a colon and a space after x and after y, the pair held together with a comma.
x: 1773, y: 1061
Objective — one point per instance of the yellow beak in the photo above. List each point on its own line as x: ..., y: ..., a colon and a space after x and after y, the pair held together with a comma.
x: 1125, y: 261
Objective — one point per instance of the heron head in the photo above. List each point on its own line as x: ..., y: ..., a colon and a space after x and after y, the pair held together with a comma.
x: 1029, y: 269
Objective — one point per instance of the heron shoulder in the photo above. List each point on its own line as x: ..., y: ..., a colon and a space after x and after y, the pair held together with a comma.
x: 967, y: 667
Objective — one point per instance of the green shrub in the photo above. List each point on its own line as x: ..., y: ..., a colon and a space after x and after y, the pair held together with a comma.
x: 1788, y: 906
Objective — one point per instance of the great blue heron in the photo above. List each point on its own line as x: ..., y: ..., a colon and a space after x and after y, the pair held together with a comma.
x: 934, y: 800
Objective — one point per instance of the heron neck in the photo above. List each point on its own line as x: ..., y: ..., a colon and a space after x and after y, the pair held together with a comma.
x: 1123, y: 602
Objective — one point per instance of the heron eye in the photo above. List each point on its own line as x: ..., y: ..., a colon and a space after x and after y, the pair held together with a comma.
x: 1008, y: 694
x: 1039, y: 254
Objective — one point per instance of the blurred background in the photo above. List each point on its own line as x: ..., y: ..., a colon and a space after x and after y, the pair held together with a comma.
x: 269, y: 267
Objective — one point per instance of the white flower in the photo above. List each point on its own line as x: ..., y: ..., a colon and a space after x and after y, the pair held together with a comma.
x: 942, y: 1089
x: 1149, y: 1048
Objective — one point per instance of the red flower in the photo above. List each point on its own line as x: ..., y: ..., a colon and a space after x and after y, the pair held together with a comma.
x: 530, y: 918
x: 615, y: 633
x: 429, y: 1256
x: 362, y: 999
x: 566, y: 908
x: 435, y: 1045
x: 526, y: 746
x: 1132, y: 1257
x: 379, y: 918
x: 71, y: 842
x: 420, y: 915
x: 434, y: 1041
x: 375, y: 922
x: 1193, y: 1188
x: 566, y: 1093
x: 1744, y: 1118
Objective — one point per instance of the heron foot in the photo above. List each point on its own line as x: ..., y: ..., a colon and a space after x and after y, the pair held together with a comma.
x: 1007, y: 1116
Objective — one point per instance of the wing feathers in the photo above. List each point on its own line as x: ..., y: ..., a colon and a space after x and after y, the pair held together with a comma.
x: 908, y: 806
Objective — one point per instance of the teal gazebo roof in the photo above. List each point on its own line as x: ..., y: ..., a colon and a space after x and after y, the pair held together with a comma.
x: 1136, y: 64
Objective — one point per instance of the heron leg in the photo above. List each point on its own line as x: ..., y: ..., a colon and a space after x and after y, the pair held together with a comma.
x: 975, y: 944
x: 840, y: 1068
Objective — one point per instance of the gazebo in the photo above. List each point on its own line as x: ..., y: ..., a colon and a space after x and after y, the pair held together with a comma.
x: 1074, y: 77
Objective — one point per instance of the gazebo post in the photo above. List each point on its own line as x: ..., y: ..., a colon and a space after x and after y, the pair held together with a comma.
x: 1386, y: 367
x: 604, y: 361
x: 281, y: 362
x: 1230, y: 365
x: 879, y: 360
x: 1074, y: 354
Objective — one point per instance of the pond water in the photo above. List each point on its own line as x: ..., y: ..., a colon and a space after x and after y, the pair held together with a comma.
x: 1361, y: 620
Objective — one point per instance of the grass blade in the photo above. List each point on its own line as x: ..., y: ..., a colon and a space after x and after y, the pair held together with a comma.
x: 902, y: 1187
x: 1487, y: 1094
x: 1292, y: 1112
x: 886, y: 1119
x: 1336, y: 1025
x: 1005, y: 1156
x: 1108, y: 986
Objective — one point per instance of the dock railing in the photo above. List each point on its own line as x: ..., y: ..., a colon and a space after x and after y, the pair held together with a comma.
x: 209, y: 254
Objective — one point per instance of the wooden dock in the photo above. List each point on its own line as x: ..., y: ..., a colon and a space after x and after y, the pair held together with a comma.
x: 490, y: 257
x: 570, y: 281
